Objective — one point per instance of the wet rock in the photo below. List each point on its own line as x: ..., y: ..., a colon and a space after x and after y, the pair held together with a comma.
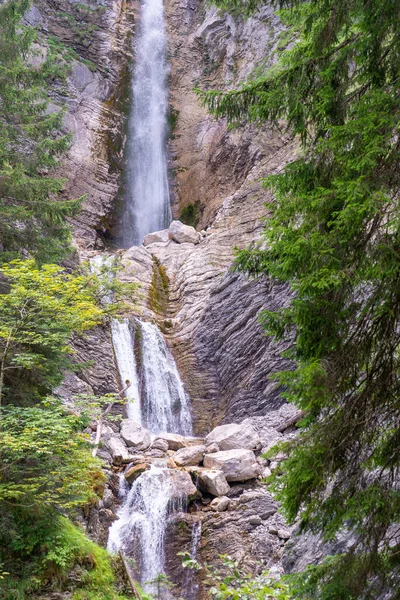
x: 220, y: 504
x: 178, y: 232
x: 118, y: 450
x: 193, y: 455
x: 132, y: 473
x: 237, y: 465
x: 181, y: 486
x: 134, y: 435
x: 174, y: 440
x: 233, y: 436
x: 212, y: 482
x: 160, y: 444
x: 156, y: 237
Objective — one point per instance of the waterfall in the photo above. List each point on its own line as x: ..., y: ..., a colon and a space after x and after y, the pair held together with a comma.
x: 147, y: 194
x: 140, y: 529
x: 165, y: 404
x: 191, y: 583
x: 124, y: 354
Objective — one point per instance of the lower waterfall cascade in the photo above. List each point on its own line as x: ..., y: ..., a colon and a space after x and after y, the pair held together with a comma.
x: 161, y: 405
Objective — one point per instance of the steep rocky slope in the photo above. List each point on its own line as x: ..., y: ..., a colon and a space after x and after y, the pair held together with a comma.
x: 208, y: 314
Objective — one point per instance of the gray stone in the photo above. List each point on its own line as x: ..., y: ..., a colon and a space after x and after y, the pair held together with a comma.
x: 284, y: 534
x: 108, y: 498
x: 174, y: 440
x: 178, y: 232
x: 255, y: 520
x: 237, y: 465
x: 213, y: 448
x: 233, y: 436
x: 193, y: 455
x: 220, y: 504
x: 156, y: 237
x: 132, y: 473
x: 117, y: 449
x: 160, y: 444
x: 181, y: 486
x: 134, y: 435
x: 210, y: 481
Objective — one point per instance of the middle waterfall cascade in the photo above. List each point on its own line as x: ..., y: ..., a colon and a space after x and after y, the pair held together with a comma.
x: 147, y: 194
x: 165, y: 404
x: 125, y: 357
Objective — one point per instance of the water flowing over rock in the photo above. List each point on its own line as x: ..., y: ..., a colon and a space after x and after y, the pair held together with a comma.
x: 140, y: 529
x: 165, y: 405
x: 147, y: 202
x: 123, y: 347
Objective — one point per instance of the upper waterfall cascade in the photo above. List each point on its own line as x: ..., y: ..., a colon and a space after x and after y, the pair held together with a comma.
x: 147, y: 191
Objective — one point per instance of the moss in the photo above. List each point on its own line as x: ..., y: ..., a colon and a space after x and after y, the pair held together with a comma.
x: 173, y: 116
x: 69, y: 562
x: 159, y: 288
x: 190, y: 214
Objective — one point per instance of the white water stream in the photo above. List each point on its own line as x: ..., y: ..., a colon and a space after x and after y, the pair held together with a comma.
x: 148, y: 204
x: 156, y: 396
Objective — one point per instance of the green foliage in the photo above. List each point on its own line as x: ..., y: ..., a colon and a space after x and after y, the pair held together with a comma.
x: 231, y: 582
x: 33, y: 212
x: 45, y: 459
x: 190, y: 214
x: 59, y: 557
x: 334, y: 236
x: 42, y: 309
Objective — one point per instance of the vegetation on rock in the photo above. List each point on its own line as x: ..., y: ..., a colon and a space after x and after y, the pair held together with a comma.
x: 33, y: 212
x: 334, y: 236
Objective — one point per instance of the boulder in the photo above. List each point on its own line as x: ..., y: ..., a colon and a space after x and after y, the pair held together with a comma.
x: 132, y: 473
x: 118, y: 450
x: 180, y: 486
x: 178, y: 232
x: 174, y: 440
x: 220, y: 504
x: 234, y: 436
x: 160, y: 444
x: 193, y: 455
x: 213, y: 448
x: 237, y: 465
x: 134, y: 435
x: 156, y: 237
x: 212, y: 482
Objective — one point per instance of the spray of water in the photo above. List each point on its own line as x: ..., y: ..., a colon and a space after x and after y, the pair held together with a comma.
x: 147, y: 201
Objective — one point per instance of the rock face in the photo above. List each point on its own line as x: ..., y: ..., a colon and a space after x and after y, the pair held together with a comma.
x: 189, y: 456
x: 233, y: 436
x: 134, y: 435
x: 180, y: 233
x: 237, y: 465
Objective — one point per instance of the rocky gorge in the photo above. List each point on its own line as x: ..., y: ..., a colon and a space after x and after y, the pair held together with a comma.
x: 206, y: 313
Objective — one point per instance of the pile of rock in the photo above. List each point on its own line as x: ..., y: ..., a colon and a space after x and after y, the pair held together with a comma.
x: 227, y: 455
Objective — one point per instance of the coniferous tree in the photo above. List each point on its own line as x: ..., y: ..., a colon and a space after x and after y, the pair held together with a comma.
x: 33, y: 216
x: 334, y: 235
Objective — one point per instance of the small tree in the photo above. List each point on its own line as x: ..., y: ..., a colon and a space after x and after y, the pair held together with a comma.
x: 33, y: 216
x: 43, y: 308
